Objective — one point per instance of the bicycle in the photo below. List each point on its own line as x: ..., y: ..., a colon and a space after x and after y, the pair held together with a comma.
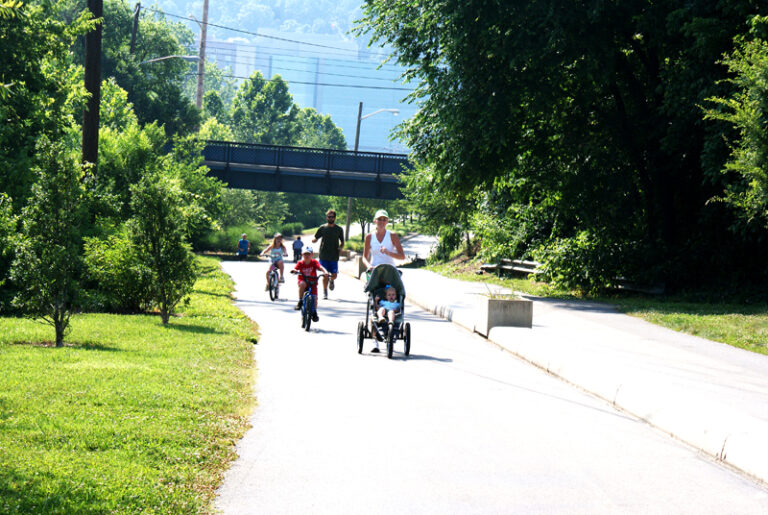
x: 309, y: 300
x: 274, y: 282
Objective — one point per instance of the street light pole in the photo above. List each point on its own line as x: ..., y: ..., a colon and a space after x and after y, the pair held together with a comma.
x: 357, y: 142
x: 360, y: 118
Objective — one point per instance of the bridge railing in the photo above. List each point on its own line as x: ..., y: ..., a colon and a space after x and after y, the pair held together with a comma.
x: 305, y: 158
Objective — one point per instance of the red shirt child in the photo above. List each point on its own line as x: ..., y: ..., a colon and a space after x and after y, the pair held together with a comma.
x: 309, y: 267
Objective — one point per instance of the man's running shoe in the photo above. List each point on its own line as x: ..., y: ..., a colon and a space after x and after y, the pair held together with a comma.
x: 325, y: 294
x: 330, y: 286
x: 282, y: 279
x: 297, y: 307
x: 266, y: 287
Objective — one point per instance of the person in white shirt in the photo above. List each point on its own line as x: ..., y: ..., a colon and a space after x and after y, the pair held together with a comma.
x: 382, y: 246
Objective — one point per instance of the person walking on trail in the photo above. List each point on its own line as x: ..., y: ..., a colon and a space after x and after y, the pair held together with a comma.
x: 382, y: 246
x: 297, y: 244
x: 333, y: 242
x: 243, y: 247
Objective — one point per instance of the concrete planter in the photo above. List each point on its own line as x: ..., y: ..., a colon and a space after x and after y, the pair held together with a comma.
x: 507, y: 311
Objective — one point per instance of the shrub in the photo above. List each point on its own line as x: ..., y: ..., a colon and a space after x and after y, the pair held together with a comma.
x: 225, y: 240
x: 291, y: 229
x: 115, y: 272
x: 585, y: 262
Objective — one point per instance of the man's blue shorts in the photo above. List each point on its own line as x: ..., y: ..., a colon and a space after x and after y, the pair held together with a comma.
x: 331, y: 266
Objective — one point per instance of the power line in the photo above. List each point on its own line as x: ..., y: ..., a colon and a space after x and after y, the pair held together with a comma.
x: 220, y: 46
x: 279, y: 67
x: 277, y: 38
x: 355, y: 86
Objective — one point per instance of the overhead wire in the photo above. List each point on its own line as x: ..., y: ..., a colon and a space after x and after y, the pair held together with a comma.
x: 354, y: 86
x: 266, y: 36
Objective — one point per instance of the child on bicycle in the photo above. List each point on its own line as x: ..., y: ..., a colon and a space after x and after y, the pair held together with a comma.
x: 276, y: 251
x: 307, y: 267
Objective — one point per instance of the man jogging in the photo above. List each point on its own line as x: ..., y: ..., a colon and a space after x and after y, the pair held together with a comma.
x: 333, y: 242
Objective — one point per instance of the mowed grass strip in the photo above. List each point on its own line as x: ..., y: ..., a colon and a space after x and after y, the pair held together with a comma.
x: 129, y: 417
x: 740, y: 324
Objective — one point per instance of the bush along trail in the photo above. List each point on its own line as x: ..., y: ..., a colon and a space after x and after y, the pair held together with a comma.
x: 130, y: 416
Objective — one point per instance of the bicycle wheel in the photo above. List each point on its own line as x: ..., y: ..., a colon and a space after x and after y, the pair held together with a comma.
x: 272, y: 286
x: 308, y: 310
x: 360, y: 336
x: 407, y: 338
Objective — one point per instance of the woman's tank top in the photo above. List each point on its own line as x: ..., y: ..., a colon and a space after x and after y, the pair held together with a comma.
x: 377, y: 258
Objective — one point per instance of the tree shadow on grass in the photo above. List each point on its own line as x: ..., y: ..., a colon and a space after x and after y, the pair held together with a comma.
x: 196, y: 329
x: 85, y: 345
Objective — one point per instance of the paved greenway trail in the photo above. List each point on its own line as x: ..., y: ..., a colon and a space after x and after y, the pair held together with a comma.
x: 459, y: 427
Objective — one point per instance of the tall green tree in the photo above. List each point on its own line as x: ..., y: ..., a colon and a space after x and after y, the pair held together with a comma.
x: 47, y: 269
x: 154, y: 88
x: 263, y: 112
x: 590, y: 108
x: 158, y: 232
x: 42, y: 92
x: 747, y: 111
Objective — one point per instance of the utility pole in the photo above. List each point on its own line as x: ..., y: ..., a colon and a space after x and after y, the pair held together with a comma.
x: 357, y: 142
x: 135, y: 27
x: 201, y: 62
x: 93, y: 86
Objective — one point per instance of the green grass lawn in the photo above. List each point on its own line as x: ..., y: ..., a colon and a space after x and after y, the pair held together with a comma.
x: 129, y: 416
x: 739, y: 324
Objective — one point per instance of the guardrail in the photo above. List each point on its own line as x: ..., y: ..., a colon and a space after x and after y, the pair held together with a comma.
x: 512, y: 266
x: 532, y: 267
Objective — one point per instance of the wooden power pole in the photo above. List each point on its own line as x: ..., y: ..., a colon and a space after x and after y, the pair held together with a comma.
x: 201, y: 62
x: 93, y: 86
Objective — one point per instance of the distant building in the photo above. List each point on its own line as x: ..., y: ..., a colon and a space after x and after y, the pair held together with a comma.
x: 332, y: 78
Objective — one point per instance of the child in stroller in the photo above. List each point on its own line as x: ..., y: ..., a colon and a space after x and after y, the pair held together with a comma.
x: 384, y: 316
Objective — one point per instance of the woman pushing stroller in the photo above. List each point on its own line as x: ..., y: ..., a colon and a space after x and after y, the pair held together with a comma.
x: 382, y: 246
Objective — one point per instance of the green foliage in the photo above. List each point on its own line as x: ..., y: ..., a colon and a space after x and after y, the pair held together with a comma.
x: 47, y: 267
x: 291, y: 229
x: 319, y: 131
x: 158, y: 230
x: 747, y: 112
x: 155, y: 89
x: 41, y: 91
x: 586, y: 115
x: 225, y: 239
x: 125, y: 156
x: 115, y: 111
x: 213, y: 129
x: 7, y: 234
x: 263, y: 112
x: 584, y: 263
x: 115, y: 271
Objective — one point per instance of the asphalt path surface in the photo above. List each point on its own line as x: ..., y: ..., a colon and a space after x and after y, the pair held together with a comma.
x: 460, y: 426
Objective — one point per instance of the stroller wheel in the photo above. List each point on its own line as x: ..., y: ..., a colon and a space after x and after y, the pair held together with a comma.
x: 360, y: 336
x: 407, y: 338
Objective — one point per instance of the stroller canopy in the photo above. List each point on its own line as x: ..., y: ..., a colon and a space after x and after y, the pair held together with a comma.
x: 384, y: 275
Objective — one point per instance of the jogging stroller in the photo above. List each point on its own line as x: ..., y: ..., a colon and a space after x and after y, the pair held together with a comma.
x: 376, y: 327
